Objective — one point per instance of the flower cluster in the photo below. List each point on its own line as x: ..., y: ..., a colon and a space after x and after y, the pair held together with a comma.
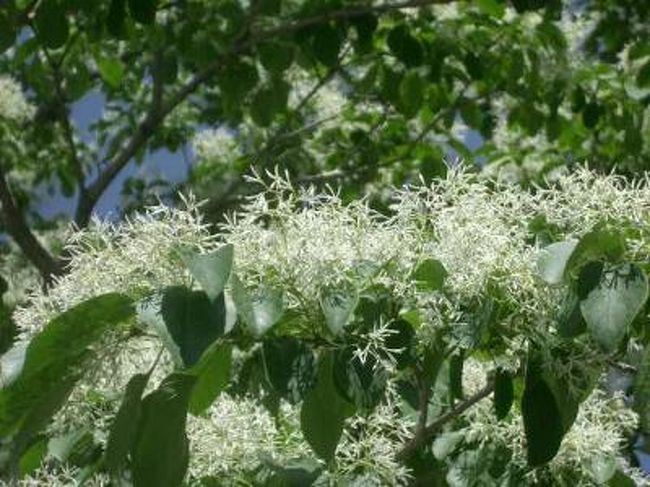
x: 13, y: 105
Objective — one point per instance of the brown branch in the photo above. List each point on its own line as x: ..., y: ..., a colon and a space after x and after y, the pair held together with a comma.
x: 424, y: 435
x: 19, y: 230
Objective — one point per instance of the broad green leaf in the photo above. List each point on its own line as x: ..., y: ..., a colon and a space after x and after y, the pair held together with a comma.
x: 614, y: 303
x: 259, y: 310
x: 116, y: 17
x: 405, y: 47
x: 456, y: 375
x: 111, y: 70
x: 212, y: 375
x: 620, y: 479
x: 268, y: 102
x: 552, y: 260
x: 143, y: 11
x: 160, y: 455
x: 643, y: 76
x: 411, y: 93
x: 642, y: 392
x: 237, y: 81
x: 7, y: 31
x: 51, y: 24
x: 33, y: 457
x: 338, y: 304
x: 570, y: 322
x: 491, y: 7
x: 543, y: 422
x: 323, y: 412
x: 326, y: 44
x: 365, y: 26
x: 276, y: 57
x: 54, y: 361
x: 503, y: 393
x: 122, y: 437
x: 290, y: 367
x: 149, y: 312
x: 361, y: 382
x: 211, y: 270
x: 194, y: 321
x: 597, y: 245
x: 430, y: 275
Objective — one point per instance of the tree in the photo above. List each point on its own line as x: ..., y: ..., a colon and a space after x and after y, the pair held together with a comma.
x: 369, y: 314
x: 351, y: 93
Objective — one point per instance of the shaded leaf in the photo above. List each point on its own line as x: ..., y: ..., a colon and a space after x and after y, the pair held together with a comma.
x: 122, y: 435
x: 430, y: 275
x: 290, y: 367
x: 161, y: 452
x: 614, y: 303
x: 193, y: 321
x: 54, y: 361
x: 338, y: 305
x: 211, y: 270
x: 51, y: 24
x: 552, y: 260
x: 503, y: 393
x: 323, y: 412
x: 212, y: 374
x: 143, y: 11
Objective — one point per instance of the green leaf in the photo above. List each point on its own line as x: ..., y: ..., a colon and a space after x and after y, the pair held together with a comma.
x: 620, y: 479
x: 543, y: 422
x: 116, y: 17
x: 276, y: 57
x: 7, y: 31
x: 54, y: 361
x: 326, y: 44
x: 290, y: 367
x: 503, y: 393
x: 194, y: 321
x: 552, y: 260
x: 603, y: 468
x: 149, y: 312
x: 614, y: 303
x: 268, y: 102
x: 212, y: 373
x: 111, y: 70
x: 33, y: 457
x: 323, y: 412
x: 259, y: 311
x: 591, y: 114
x: 237, y: 81
x: 365, y: 26
x: 430, y: 275
x: 642, y: 392
x: 362, y: 383
x: 411, y: 93
x: 405, y: 47
x: 211, y: 270
x: 161, y: 452
x: 570, y: 322
x: 51, y: 24
x: 491, y: 7
x: 643, y: 76
x: 599, y: 244
x: 122, y: 437
x: 456, y: 362
x: 338, y: 304
x: 143, y: 11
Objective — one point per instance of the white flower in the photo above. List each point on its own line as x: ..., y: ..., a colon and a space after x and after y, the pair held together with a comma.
x: 216, y: 145
x: 13, y: 105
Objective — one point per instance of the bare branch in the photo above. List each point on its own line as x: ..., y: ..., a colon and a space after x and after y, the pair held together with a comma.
x: 425, y: 435
x: 19, y: 230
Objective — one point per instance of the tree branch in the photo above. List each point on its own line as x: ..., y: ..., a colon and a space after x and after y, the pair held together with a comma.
x: 424, y: 435
x: 19, y: 230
